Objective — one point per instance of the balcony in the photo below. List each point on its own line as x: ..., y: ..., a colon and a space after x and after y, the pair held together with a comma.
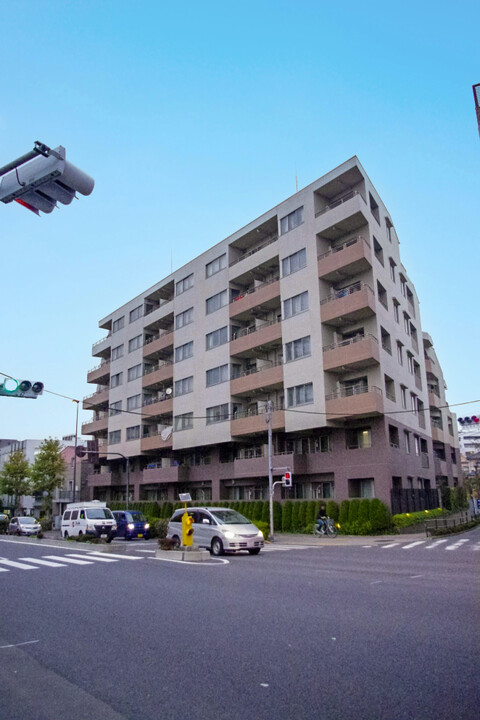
x: 158, y: 406
x: 267, y: 295
x: 253, y: 422
x: 257, y: 466
x: 247, y: 339
x: 158, y: 375
x: 434, y: 399
x: 104, y: 479
x: 354, y: 401
x: 253, y: 380
x: 155, y: 441
x: 158, y: 343
x: 100, y: 373
x: 345, y: 306
x: 159, y: 474
x: 98, y: 424
x: 346, y: 260
x: 343, y: 215
x: 96, y: 399
x: 102, y: 346
x: 355, y: 353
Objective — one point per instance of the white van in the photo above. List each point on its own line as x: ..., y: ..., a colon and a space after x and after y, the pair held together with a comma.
x: 88, y: 518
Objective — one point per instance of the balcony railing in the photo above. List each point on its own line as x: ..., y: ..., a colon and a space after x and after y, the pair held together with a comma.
x: 157, y: 336
x: 253, y: 328
x: 97, y: 367
x: 98, y: 342
x: 348, y: 243
x: 254, y: 250
x: 354, y: 390
x: 349, y: 290
x: 251, y: 290
x: 253, y: 412
x: 253, y: 371
x: 350, y: 341
x: 154, y: 368
x: 340, y: 201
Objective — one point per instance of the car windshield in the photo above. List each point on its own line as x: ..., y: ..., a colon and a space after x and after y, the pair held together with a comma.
x: 230, y: 517
x: 135, y: 517
x: 99, y: 514
x: 27, y: 520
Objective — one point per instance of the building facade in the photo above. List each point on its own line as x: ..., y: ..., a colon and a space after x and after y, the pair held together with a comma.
x: 308, y: 307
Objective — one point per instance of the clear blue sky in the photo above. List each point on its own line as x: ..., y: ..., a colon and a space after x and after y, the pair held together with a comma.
x: 193, y: 119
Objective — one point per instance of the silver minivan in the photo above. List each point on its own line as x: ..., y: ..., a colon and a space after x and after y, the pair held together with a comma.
x: 218, y: 529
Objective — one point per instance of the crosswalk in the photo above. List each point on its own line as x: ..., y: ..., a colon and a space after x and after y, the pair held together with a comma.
x: 62, y: 561
x: 428, y: 544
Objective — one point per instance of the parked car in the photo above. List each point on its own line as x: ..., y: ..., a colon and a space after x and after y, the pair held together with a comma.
x: 88, y: 518
x: 219, y: 530
x: 27, y: 525
x: 131, y: 524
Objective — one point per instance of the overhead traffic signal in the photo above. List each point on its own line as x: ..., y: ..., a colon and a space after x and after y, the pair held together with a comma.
x: 474, y: 420
x: 21, y: 388
x: 43, y: 180
x: 287, y: 479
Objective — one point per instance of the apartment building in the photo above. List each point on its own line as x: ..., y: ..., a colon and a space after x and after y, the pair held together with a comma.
x: 308, y: 307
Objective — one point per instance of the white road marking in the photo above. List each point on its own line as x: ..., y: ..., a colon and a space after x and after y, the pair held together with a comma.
x: 21, y: 566
x: 411, y: 545
x: 435, y: 544
x: 27, y: 642
x: 70, y: 560
x: 97, y: 558
x: 48, y: 563
x: 456, y: 545
x: 394, y: 544
x: 117, y: 557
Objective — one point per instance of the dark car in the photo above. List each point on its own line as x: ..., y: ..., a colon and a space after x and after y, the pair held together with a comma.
x: 131, y: 524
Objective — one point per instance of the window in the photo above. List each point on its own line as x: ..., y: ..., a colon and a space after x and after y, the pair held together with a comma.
x: 217, y: 375
x: 118, y: 324
x: 182, y: 352
x: 377, y: 248
x: 115, y: 408
x: 395, y: 309
x: 410, y: 362
x: 184, y: 386
x: 136, y: 313
x: 416, y: 442
x: 403, y: 393
x: 413, y: 402
x: 135, y: 343
x: 116, y: 380
x: 374, y: 208
x: 400, y: 352
x: 216, y: 302
x: 406, y: 436
x: 294, y: 262
x: 403, y: 286
x: 406, y: 322
x: 389, y: 388
x: 133, y: 433
x: 216, y: 338
x: 216, y: 414
x: 358, y: 438
x: 393, y: 265
x: 184, y: 422
x: 117, y: 352
x: 382, y: 295
x: 134, y: 402
x: 394, y: 436
x: 216, y: 265
x: 291, y: 221
x: 184, y: 318
x: 295, y: 305
x: 114, y: 437
x: 360, y: 488
x: 386, y: 340
x: 297, y: 349
x: 300, y: 395
x: 324, y: 490
x: 185, y: 284
x: 134, y: 372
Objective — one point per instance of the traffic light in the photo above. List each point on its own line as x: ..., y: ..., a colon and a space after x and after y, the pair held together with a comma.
x: 474, y: 420
x: 43, y: 181
x: 187, y: 529
x: 21, y: 388
x: 287, y: 479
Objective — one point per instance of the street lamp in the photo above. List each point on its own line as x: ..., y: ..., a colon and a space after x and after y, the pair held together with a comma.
x: 476, y: 97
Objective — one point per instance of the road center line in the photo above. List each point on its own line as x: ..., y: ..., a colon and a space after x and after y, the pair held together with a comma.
x: 27, y: 642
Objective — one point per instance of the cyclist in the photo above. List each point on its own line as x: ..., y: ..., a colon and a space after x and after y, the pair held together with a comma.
x: 322, y: 519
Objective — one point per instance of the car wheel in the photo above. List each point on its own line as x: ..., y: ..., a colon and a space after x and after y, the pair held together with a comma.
x: 254, y: 551
x: 19, y: 532
x: 176, y: 540
x: 65, y: 535
x: 217, y: 547
x: 127, y: 536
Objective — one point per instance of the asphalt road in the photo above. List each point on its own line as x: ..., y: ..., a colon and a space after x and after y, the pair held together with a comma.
x: 363, y: 632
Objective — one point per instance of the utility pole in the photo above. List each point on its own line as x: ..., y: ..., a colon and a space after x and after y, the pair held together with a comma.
x: 268, y: 420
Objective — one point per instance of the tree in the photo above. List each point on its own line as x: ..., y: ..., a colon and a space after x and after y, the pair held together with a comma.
x: 48, y: 470
x: 15, y: 477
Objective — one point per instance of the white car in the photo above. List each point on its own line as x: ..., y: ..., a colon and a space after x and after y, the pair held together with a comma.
x: 219, y: 530
x: 24, y: 526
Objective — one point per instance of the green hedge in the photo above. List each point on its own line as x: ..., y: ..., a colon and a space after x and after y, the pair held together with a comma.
x: 414, y: 518
x: 357, y: 517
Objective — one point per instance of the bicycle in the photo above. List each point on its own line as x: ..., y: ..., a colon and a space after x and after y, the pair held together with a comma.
x: 327, y: 528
